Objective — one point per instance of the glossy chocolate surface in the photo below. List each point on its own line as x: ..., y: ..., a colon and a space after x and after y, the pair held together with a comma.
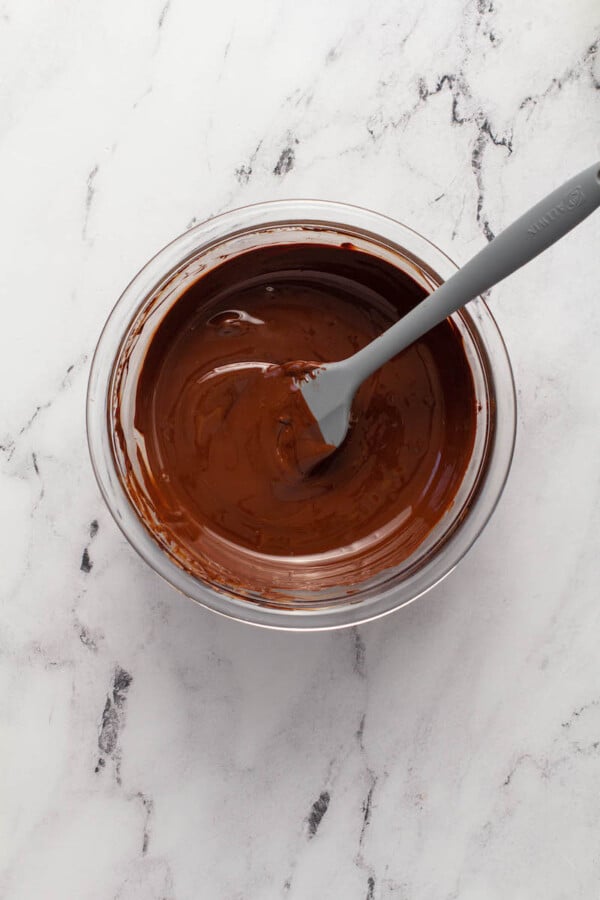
x: 224, y: 439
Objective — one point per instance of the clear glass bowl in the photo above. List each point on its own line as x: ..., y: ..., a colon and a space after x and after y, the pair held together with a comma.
x: 147, y: 299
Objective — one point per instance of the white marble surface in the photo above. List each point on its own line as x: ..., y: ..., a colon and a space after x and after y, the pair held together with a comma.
x: 152, y: 751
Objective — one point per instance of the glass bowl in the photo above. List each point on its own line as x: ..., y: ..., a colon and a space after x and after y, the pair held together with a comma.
x: 119, y: 356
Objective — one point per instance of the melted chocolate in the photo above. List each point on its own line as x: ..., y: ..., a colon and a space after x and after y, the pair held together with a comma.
x: 225, y: 439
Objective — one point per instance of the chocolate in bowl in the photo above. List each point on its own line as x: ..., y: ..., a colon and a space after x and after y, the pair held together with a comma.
x: 188, y: 457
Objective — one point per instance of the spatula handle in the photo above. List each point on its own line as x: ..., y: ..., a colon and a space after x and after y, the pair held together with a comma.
x: 531, y: 234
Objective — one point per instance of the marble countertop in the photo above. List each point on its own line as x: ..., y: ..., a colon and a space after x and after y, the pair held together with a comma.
x: 151, y: 750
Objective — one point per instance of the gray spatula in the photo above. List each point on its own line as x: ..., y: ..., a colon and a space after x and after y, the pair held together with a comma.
x: 330, y: 389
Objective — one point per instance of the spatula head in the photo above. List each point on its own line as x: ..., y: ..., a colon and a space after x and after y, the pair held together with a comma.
x: 329, y: 396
